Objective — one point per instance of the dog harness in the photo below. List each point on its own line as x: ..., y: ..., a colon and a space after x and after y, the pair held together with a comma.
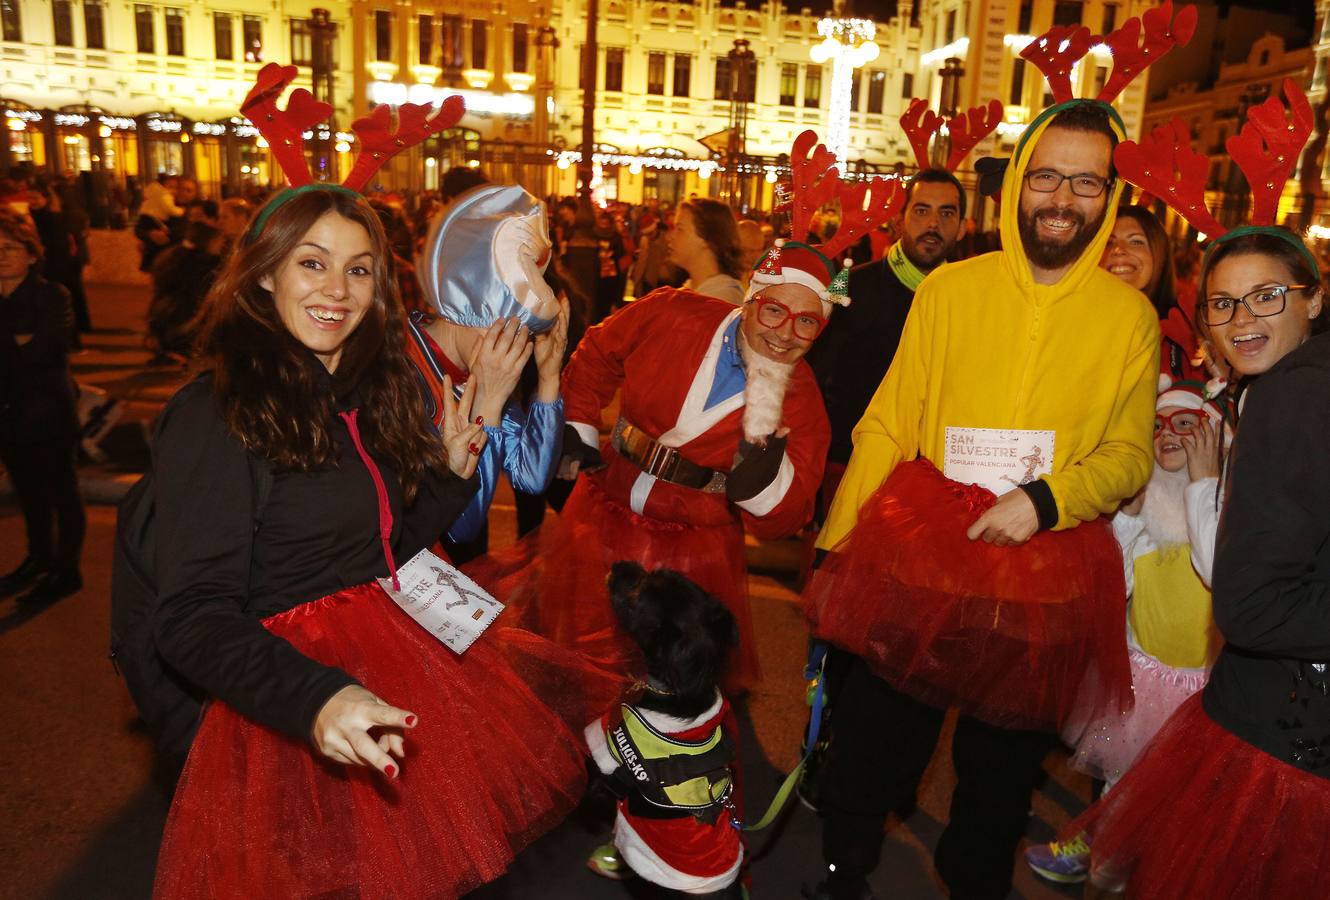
x: 667, y: 778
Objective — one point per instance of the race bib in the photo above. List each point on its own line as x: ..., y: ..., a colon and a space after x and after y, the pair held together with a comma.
x: 445, y: 602
x: 999, y: 459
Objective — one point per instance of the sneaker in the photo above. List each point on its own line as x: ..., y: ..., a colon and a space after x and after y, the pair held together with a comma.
x: 1065, y: 862
x: 606, y: 862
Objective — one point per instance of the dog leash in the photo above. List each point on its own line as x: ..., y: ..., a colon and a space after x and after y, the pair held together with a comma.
x: 813, y: 670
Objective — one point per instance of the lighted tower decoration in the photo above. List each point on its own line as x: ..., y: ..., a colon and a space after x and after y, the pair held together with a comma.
x: 848, y: 44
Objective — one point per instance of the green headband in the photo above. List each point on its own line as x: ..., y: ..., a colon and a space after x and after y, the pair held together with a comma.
x: 1283, y: 234
x: 289, y: 194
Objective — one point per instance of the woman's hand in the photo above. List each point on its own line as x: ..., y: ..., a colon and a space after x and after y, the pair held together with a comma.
x: 497, y: 364
x: 342, y: 730
x: 463, y: 439
x: 1202, y: 448
x: 549, y: 350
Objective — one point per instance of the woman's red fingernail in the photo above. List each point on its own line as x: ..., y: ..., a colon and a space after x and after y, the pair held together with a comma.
x: 410, y: 721
x: 390, y: 770
x: 480, y: 420
x: 474, y: 448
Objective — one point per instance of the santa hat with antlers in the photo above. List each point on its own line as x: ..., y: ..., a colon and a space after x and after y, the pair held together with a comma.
x: 284, y: 130
x: 1266, y: 150
x: 815, y: 182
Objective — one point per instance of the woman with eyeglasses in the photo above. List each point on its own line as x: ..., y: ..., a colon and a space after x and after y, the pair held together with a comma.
x: 1232, y: 799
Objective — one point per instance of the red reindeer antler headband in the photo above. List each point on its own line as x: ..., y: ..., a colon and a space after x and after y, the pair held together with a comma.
x: 1265, y: 150
x: 1057, y: 51
x: 967, y: 129
x: 284, y: 130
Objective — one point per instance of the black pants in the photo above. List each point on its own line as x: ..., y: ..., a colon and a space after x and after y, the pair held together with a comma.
x: 46, y: 485
x: 882, y: 745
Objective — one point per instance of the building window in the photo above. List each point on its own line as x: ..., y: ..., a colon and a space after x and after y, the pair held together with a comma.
x: 1100, y: 78
x: 143, y: 29
x: 1023, y: 21
x: 452, y: 42
x: 1067, y: 12
x: 656, y: 73
x: 951, y: 26
x: 175, y: 32
x: 480, y: 43
x: 11, y: 26
x: 813, y: 87
x: 877, y: 87
x: 1110, y: 18
x: 302, y: 52
x: 222, y: 36
x: 62, y: 15
x: 683, y: 75
x: 252, y: 34
x: 383, y: 35
x: 94, y: 24
x: 521, y: 43
x: 722, y: 86
x: 1017, y: 95
x: 854, y: 90
x: 582, y: 81
x: 425, y: 40
x: 614, y: 69
x: 789, y: 83
x: 907, y: 85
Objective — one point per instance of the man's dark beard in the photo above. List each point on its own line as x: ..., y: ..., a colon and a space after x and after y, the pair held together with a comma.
x: 922, y: 259
x: 1056, y: 256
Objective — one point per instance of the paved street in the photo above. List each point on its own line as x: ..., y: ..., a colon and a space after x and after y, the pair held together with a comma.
x: 82, y: 817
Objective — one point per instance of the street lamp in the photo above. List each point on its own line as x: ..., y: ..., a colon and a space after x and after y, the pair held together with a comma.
x: 742, y: 61
x: 848, y: 44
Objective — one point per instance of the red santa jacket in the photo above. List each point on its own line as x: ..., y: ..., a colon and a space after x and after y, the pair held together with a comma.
x: 661, y: 353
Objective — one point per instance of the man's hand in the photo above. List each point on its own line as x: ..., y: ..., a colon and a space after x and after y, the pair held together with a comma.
x: 1009, y: 522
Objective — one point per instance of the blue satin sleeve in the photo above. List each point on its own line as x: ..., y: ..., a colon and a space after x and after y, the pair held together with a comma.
x: 526, y: 445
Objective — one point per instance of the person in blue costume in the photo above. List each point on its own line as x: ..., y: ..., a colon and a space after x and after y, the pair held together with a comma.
x: 482, y: 271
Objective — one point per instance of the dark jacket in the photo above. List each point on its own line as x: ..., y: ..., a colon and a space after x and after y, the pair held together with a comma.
x: 851, y: 356
x: 1271, y: 683
x: 217, y: 578
x: 38, y: 399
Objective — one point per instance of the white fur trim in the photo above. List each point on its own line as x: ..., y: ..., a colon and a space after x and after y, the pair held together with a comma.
x: 1186, y: 400
x: 637, y: 497
x: 772, y: 494
x: 589, y: 434
x: 600, y: 747
x: 673, y: 724
x: 694, y: 419
x: 791, y: 275
x: 642, y: 859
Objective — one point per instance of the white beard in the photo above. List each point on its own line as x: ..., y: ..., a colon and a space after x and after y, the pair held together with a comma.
x: 764, y: 395
x: 1164, y: 510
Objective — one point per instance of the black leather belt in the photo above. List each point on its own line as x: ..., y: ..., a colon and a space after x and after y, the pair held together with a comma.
x: 665, y: 463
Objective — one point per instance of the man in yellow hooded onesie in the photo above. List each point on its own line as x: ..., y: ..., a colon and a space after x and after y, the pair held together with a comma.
x: 970, y: 561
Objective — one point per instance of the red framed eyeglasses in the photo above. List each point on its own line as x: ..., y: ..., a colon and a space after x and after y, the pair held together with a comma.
x: 773, y: 314
x: 1183, y: 421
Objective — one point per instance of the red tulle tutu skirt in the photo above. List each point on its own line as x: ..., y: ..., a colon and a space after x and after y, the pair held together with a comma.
x: 488, y: 769
x: 1010, y: 635
x: 554, y: 580
x: 1203, y: 815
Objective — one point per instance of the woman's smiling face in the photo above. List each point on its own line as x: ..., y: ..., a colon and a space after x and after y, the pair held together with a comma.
x: 325, y: 285
x: 1128, y: 254
x: 1253, y: 344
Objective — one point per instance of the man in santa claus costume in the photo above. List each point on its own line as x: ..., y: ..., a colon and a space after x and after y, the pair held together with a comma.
x: 721, y: 428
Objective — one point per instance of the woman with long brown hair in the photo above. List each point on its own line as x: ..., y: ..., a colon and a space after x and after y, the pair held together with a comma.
x: 290, y: 478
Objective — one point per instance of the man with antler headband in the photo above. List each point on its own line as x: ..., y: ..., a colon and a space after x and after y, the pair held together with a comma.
x: 721, y: 426
x: 959, y: 574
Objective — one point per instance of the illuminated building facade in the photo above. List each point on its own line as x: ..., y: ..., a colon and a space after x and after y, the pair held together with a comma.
x: 136, y: 89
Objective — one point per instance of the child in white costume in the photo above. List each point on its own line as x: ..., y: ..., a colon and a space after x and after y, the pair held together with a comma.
x: 1167, y: 535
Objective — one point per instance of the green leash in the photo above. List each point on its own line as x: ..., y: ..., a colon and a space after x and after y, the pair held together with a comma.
x: 782, y: 797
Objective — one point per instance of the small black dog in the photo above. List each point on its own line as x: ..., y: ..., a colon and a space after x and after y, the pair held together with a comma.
x: 670, y: 752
